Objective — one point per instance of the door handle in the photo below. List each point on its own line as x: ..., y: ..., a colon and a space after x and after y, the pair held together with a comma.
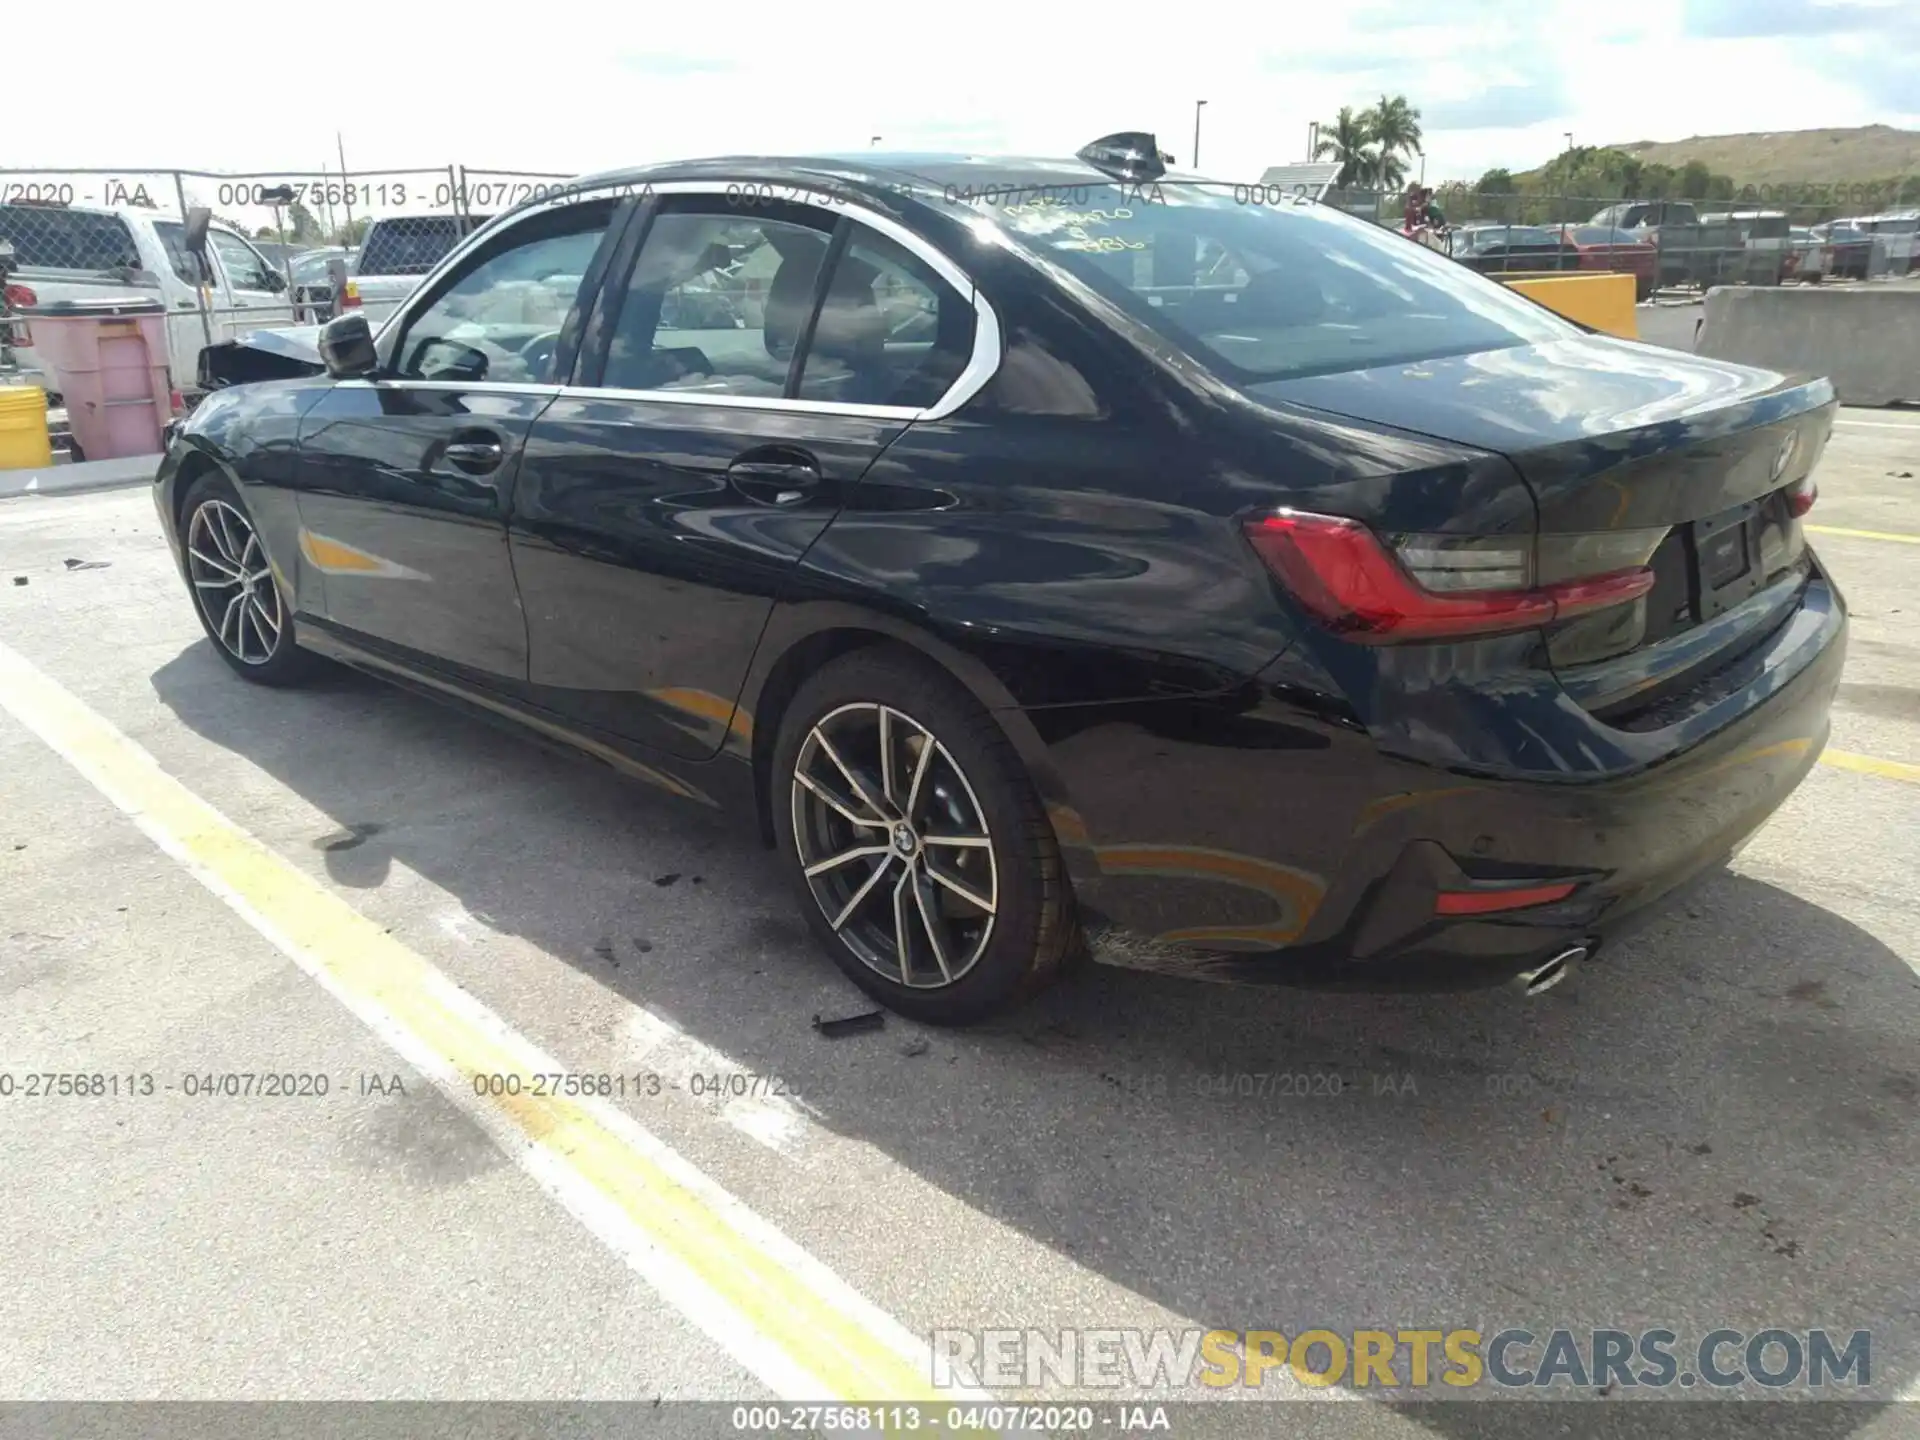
x: 775, y: 482
x: 474, y: 456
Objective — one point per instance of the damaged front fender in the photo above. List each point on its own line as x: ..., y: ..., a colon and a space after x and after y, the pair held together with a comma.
x: 284, y: 354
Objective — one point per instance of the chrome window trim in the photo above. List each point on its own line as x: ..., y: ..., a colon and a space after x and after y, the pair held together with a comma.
x: 908, y: 413
x: 473, y: 387
x: 980, y: 367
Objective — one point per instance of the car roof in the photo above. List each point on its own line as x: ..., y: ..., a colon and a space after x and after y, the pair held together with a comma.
x: 879, y: 168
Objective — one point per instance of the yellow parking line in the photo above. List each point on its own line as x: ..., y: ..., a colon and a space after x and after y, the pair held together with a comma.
x: 790, y: 1321
x: 1872, y: 765
x: 1895, y: 536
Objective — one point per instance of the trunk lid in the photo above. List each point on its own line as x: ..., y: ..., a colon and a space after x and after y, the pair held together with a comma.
x: 1611, y: 436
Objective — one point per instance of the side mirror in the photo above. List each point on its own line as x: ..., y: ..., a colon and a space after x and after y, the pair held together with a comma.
x: 276, y: 282
x: 346, y: 347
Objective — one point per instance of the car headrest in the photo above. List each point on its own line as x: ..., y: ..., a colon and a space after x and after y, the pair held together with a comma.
x: 852, y: 326
x: 790, y: 297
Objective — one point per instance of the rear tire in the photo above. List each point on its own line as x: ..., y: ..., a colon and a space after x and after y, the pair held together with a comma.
x: 235, y: 591
x: 937, y: 884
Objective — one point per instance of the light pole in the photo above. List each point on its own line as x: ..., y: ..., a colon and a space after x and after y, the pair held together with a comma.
x: 1198, y: 106
x: 875, y: 141
x: 1569, y: 135
x: 1313, y: 139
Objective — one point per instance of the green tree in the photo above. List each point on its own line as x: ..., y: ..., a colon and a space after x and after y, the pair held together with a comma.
x: 1495, y: 182
x: 302, y: 225
x: 350, y: 233
x: 1345, y: 140
x: 1695, y: 180
x: 1393, y: 126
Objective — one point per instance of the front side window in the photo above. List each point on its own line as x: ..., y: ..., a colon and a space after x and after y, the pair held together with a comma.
x: 1268, y: 292
x: 891, y: 331
x: 245, y: 269
x: 500, y: 319
x: 173, y: 239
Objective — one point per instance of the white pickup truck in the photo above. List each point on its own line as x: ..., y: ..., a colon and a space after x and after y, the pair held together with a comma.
x: 396, y: 252
x: 70, y: 252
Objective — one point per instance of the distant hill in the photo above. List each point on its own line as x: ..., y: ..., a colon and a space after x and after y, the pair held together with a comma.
x: 1833, y: 157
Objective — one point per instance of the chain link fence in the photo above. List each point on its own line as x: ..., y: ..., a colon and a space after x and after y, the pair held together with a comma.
x: 1751, y: 235
x: 282, y: 243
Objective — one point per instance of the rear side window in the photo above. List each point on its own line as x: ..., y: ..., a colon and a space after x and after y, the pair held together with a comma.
x: 1267, y: 292
x: 890, y: 332
x: 716, y: 304
x: 44, y: 237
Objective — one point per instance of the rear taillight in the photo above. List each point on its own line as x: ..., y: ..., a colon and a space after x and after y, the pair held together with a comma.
x: 1801, y: 495
x: 1491, y: 900
x: 21, y: 295
x: 1428, y: 587
x: 350, y: 296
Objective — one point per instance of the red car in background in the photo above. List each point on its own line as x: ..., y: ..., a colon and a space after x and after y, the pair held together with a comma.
x: 1605, y: 247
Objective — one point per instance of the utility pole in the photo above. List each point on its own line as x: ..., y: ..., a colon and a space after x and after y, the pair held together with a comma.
x: 346, y: 185
x: 1313, y: 138
x: 1198, y: 106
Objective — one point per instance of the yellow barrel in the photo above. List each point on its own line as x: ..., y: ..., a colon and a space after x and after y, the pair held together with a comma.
x: 23, y: 428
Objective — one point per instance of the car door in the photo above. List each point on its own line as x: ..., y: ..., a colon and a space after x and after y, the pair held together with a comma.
x: 745, y: 367
x: 255, y: 293
x: 404, y: 479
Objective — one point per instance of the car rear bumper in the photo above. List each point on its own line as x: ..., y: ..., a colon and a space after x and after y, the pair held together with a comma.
x: 1261, y: 845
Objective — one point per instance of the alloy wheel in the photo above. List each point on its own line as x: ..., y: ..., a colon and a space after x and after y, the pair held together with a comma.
x: 232, y: 583
x: 894, y: 845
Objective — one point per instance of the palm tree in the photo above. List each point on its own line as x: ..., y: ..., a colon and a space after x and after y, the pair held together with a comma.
x: 1394, y: 126
x: 1345, y: 140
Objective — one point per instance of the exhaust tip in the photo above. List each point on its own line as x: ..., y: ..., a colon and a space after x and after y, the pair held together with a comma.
x: 1550, y: 972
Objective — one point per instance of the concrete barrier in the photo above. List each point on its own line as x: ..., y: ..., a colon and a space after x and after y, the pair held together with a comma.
x: 1866, y: 340
x: 1601, y: 299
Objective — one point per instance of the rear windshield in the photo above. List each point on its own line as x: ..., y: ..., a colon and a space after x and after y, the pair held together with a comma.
x: 45, y: 238
x: 1272, y: 291
x: 1514, y: 237
x: 409, y: 246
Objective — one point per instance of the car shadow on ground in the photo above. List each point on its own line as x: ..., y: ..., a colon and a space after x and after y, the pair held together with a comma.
x: 1713, y: 1128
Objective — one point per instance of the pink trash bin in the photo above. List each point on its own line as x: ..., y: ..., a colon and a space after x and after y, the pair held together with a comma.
x: 108, y: 358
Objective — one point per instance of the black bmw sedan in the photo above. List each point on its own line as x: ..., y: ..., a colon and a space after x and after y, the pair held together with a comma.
x: 1049, y: 547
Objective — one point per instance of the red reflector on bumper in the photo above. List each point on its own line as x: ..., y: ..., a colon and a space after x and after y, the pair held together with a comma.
x: 1486, y: 902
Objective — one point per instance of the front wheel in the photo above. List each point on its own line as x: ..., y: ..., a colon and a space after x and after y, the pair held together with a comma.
x: 234, y: 590
x: 915, y: 841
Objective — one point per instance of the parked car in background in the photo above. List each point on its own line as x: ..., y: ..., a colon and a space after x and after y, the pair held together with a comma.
x: 1765, y: 240
x: 1849, y: 250
x: 1896, y: 234
x: 396, y: 251
x: 1807, y: 259
x: 1687, y: 252
x: 314, y: 300
x: 1491, y: 249
x: 1646, y: 214
x: 1350, y: 617
x: 1602, y: 247
x: 71, y: 252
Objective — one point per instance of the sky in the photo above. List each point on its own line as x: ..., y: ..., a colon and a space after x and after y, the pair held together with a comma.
x: 571, y: 86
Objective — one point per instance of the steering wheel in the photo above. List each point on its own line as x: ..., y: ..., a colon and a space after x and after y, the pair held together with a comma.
x: 538, y: 354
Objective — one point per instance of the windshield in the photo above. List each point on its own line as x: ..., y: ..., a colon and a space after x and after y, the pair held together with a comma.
x: 1271, y: 291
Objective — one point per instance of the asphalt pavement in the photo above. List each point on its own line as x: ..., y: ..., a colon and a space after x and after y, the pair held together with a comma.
x: 380, y: 903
